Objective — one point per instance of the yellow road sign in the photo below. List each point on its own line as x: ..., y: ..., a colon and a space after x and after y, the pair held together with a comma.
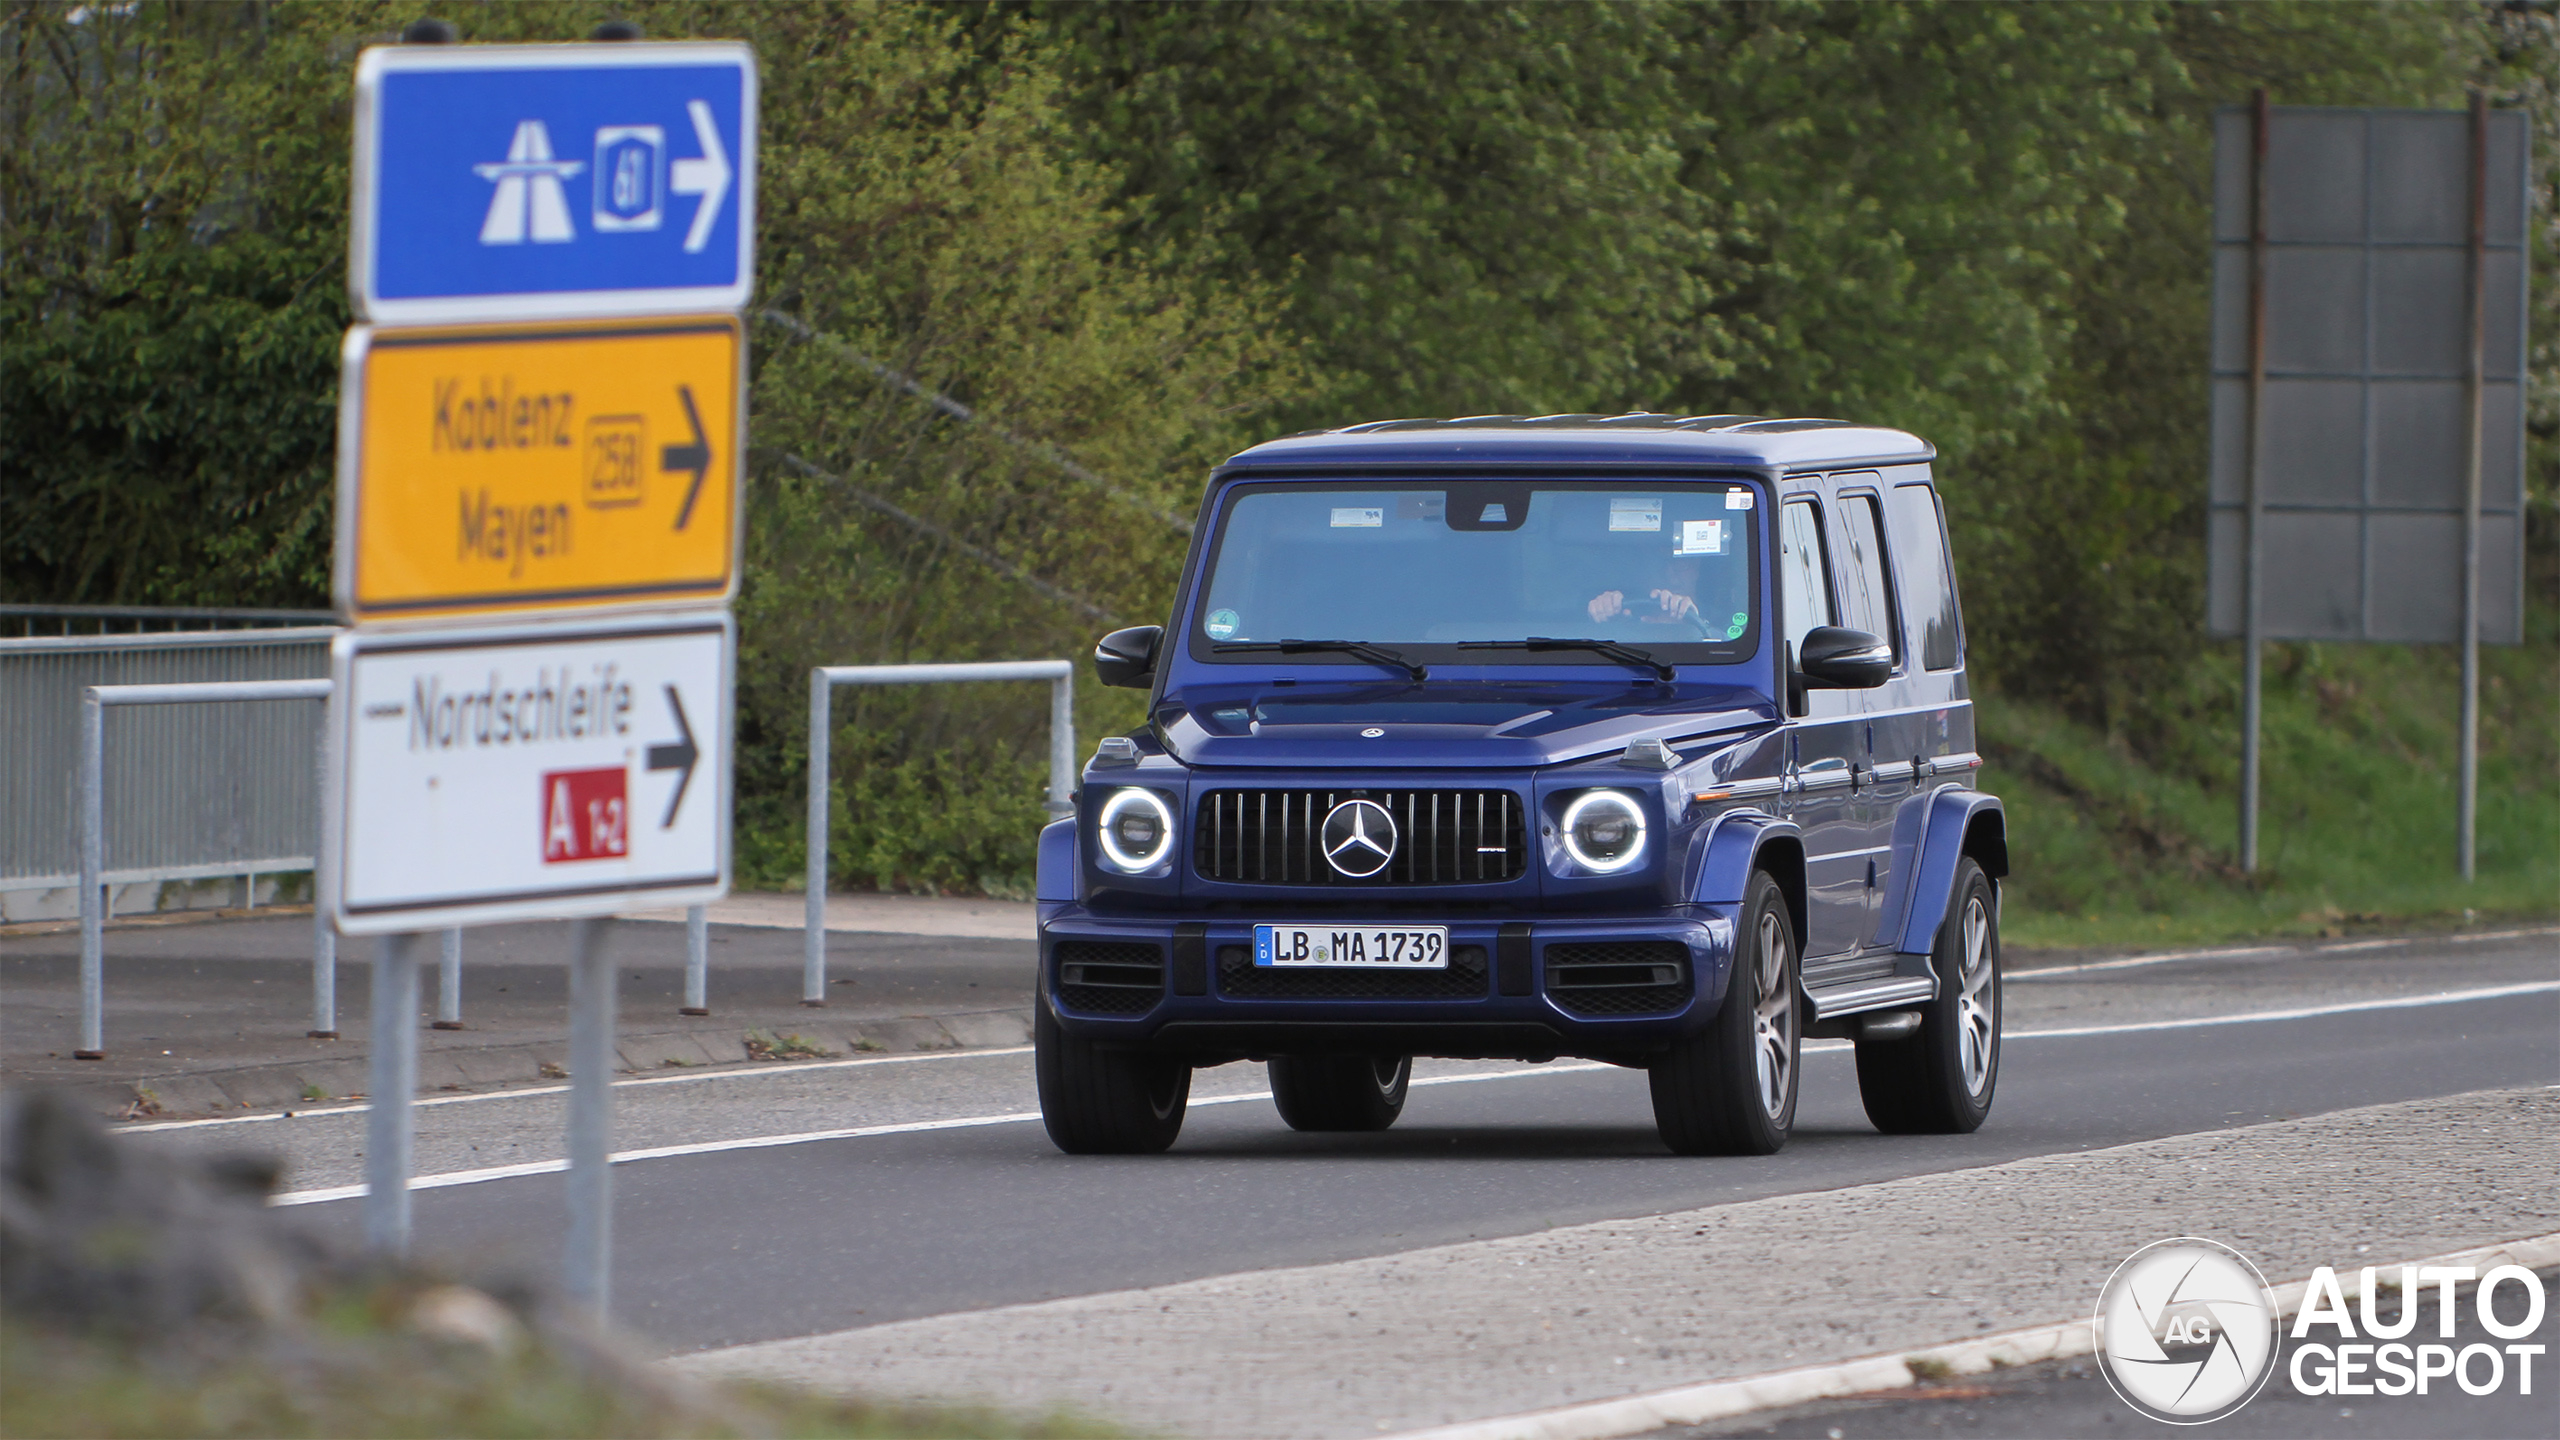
x: 485, y: 468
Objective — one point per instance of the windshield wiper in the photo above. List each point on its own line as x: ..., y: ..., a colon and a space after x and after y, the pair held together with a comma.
x: 1627, y: 654
x: 1361, y: 648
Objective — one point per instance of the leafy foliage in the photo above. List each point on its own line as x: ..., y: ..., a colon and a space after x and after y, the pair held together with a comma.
x: 1029, y: 267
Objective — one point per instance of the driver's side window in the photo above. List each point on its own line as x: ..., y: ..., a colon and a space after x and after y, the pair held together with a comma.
x: 1804, y: 571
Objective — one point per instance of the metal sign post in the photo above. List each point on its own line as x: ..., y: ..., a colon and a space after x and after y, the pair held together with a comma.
x: 2477, y: 320
x: 538, y: 528
x: 2253, y: 639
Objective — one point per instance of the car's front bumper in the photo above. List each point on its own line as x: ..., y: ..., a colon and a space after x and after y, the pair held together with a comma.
x: 1608, y: 986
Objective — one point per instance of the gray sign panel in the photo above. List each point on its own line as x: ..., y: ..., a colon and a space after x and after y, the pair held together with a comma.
x: 2367, y: 356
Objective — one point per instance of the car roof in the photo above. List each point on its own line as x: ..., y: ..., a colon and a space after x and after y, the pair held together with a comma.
x: 1614, y: 441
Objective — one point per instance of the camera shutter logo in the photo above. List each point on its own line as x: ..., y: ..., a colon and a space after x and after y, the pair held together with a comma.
x: 2187, y: 1331
x: 1359, y: 838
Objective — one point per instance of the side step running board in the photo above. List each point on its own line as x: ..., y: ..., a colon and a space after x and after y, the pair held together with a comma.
x: 1841, y: 1000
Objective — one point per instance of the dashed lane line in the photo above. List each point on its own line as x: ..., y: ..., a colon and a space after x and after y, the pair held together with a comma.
x: 760, y: 1142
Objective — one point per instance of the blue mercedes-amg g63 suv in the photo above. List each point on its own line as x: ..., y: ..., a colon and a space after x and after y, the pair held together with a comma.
x: 1640, y: 738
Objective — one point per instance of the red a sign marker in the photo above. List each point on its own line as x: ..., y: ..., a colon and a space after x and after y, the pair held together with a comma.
x: 586, y: 815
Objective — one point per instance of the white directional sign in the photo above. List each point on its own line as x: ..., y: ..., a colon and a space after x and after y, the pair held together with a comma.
x: 532, y: 771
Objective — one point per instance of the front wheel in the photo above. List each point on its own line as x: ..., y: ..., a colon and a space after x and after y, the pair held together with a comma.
x: 1731, y: 1089
x: 1938, y: 1080
x: 1340, y: 1092
x: 1105, y: 1102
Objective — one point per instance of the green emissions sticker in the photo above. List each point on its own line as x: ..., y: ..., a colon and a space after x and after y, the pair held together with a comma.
x: 1221, y: 624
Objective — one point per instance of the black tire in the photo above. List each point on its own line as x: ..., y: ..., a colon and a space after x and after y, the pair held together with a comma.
x: 1731, y: 1088
x: 1938, y: 1080
x: 1340, y: 1092
x: 1105, y: 1102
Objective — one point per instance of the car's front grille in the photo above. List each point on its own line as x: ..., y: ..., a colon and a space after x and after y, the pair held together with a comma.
x: 1443, y: 837
x: 1627, y: 977
x: 1240, y: 979
x: 1103, y: 977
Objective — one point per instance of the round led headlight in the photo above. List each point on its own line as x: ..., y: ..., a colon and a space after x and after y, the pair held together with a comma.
x: 1604, y: 831
x: 1136, y: 832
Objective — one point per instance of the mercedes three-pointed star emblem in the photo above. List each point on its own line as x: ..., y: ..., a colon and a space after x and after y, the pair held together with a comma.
x: 1359, y: 838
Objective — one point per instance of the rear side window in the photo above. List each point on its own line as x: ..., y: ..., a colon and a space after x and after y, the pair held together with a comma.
x: 1928, y: 584
x: 1804, y: 571
x: 1864, y: 587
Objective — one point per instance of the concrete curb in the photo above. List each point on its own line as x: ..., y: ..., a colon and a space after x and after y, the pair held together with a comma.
x: 472, y: 1068
x: 1724, y: 1399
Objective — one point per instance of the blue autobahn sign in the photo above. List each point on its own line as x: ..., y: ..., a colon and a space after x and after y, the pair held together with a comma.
x: 515, y: 182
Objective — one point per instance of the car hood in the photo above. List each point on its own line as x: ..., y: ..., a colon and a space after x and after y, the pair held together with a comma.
x: 1443, y: 725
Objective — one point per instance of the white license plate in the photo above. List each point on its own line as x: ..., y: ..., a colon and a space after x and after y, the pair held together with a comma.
x: 1411, y: 947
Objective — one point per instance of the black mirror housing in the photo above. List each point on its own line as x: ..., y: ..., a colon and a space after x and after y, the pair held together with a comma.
x: 1835, y: 657
x: 1127, y: 658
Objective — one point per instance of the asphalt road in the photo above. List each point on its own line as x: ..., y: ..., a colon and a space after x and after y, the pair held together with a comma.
x: 957, y: 1202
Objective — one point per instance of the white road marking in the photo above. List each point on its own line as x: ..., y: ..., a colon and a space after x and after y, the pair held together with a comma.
x: 2171, y: 957
x: 803, y: 1067
x: 760, y: 1142
x: 794, y: 1067
x: 808, y: 1137
x: 2350, y: 1007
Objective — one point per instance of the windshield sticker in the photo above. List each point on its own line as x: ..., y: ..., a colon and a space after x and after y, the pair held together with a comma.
x: 1421, y: 507
x: 1221, y: 624
x: 1634, y: 514
x: 1701, y: 537
x: 1741, y: 622
x: 1359, y: 517
x: 1737, y: 499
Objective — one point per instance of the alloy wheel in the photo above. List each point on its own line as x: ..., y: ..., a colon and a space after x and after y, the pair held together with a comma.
x: 1773, y: 1020
x: 1976, y: 1017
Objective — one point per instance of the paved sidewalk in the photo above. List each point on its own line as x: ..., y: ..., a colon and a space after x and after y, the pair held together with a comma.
x: 209, y: 1016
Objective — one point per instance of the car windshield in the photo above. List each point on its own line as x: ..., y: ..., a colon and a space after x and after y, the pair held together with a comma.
x: 1425, y: 568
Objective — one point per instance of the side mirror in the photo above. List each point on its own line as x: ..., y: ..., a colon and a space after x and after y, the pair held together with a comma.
x: 1127, y: 658
x: 1838, y: 658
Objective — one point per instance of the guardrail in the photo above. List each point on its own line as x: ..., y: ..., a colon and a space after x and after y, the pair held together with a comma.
x: 94, y: 703
x: 822, y: 683
x: 236, y: 793
x: 141, y: 619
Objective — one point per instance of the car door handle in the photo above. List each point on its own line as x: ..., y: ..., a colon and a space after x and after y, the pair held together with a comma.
x: 1821, y: 774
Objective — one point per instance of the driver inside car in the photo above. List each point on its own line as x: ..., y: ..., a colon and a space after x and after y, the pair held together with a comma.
x: 1666, y: 596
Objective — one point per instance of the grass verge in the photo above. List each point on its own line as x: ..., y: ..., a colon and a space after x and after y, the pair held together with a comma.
x: 2124, y: 841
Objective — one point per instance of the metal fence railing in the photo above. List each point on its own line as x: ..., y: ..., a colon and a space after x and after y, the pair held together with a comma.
x: 192, y: 791
x: 25, y: 620
x: 822, y: 684
x: 95, y: 701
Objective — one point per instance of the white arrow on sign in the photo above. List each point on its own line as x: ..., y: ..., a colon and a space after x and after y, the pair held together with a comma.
x: 707, y: 177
